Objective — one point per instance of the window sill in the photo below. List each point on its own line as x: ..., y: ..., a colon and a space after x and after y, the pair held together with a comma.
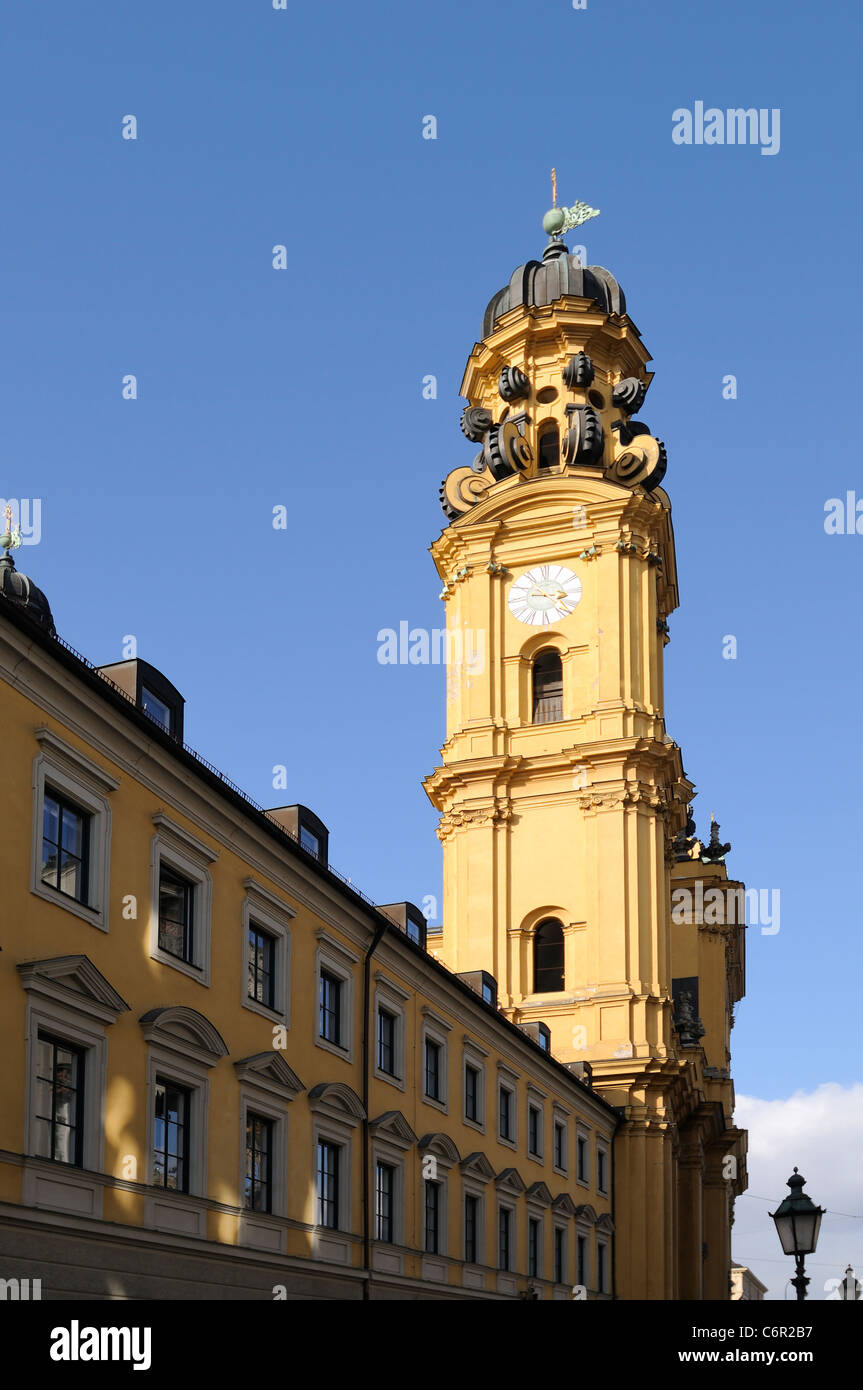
x: 94, y: 915
x: 194, y: 972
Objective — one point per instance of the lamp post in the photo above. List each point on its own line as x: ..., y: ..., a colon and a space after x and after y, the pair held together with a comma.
x: 798, y: 1222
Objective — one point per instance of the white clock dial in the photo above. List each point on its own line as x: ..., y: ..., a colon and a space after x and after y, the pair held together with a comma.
x: 544, y: 595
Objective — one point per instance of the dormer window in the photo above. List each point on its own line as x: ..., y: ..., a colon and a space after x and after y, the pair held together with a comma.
x: 157, y: 709
x: 310, y: 842
x: 152, y: 692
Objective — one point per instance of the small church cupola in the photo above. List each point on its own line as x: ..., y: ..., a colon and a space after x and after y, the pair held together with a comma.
x: 17, y: 587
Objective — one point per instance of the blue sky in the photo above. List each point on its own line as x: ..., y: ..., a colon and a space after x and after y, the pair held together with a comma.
x: 304, y: 388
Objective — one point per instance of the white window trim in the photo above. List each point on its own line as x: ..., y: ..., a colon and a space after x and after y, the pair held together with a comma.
x: 335, y: 960
x: 259, y: 1103
x: 189, y: 857
x: 391, y: 998
x: 435, y: 1029
x: 86, y: 784
x: 70, y: 1026
x: 383, y: 1152
x: 164, y: 1062
x: 504, y: 1084
x: 264, y: 910
x: 334, y: 1132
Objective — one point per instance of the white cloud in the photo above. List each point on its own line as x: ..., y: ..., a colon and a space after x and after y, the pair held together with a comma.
x: 821, y: 1133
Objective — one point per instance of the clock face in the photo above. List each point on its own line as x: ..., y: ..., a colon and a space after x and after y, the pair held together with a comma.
x: 544, y: 595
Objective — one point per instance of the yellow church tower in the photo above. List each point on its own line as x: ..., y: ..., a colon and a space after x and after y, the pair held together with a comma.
x: 563, y: 801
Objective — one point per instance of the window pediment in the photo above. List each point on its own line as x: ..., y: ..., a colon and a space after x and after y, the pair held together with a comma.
x: 338, y: 1100
x: 185, y: 1031
x: 478, y: 1166
x: 563, y: 1205
x: 587, y: 1213
x: 539, y: 1193
x: 441, y: 1146
x: 393, y: 1126
x: 270, y: 1072
x: 510, y: 1180
x: 605, y: 1223
x: 73, y: 980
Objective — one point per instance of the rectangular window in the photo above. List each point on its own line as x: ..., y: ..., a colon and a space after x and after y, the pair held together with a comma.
x: 581, y: 1159
x: 504, y: 1238
x: 534, y: 1130
x: 385, y: 1181
x: 560, y: 1146
x: 329, y: 1164
x: 310, y: 842
x: 559, y: 1255
x: 471, y: 1225
x: 65, y: 846
x: 156, y: 708
x: 601, y: 1170
x: 259, y: 1163
x: 262, y: 966
x: 432, y: 1217
x: 331, y: 1008
x: 176, y: 898
x: 533, y: 1246
x: 471, y: 1093
x: 386, y: 1042
x: 59, y: 1101
x: 581, y: 1258
x: 432, y: 1069
x: 601, y: 1267
x: 171, y: 1136
x: 505, y: 1116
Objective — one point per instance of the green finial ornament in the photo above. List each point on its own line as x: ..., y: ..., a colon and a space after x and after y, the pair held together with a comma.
x: 558, y: 220
x: 11, y: 537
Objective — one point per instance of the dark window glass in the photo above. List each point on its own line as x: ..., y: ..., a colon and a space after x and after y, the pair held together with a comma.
x: 385, y: 1181
x: 329, y: 1163
x: 331, y: 1008
x: 581, y: 1159
x: 471, y: 1223
x: 59, y: 1100
x: 544, y: 1038
x: 547, y: 687
x: 549, y: 448
x: 559, y: 1256
x: 533, y: 1247
x: 548, y: 957
x: 600, y: 1170
x: 471, y: 1093
x: 310, y: 842
x: 65, y: 847
x: 259, y: 1163
x: 600, y: 1267
x: 505, y: 1126
x: 581, y: 1256
x: 176, y: 896
x: 386, y: 1042
x: 416, y: 931
x: 504, y: 1237
x: 559, y: 1146
x: 171, y: 1137
x: 262, y: 960
x: 432, y: 1069
x: 534, y: 1130
x: 432, y: 1217
x: 489, y: 991
x: 156, y: 708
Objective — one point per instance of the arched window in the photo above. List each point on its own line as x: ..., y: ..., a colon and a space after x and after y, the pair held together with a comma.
x: 547, y: 687
x: 549, y: 447
x: 548, y: 957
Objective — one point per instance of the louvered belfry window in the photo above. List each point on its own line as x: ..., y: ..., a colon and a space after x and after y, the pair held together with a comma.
x: 547, y: 687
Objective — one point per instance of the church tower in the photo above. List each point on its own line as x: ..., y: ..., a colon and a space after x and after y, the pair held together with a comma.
x: 563, y: 801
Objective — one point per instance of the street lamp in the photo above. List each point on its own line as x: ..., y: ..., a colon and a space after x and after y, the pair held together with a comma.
x: 798, y: 1222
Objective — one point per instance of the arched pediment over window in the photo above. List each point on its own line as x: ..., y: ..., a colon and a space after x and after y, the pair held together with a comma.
x: 185, y: 1031
x: 336, y: 1099
x: 441, y: 1146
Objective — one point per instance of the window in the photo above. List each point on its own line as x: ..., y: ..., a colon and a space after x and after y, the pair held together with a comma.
x: 171, y: 1137
x: 416, y: 931
x: 559, y: 1255
x: 259, y: 1163
x: 157, y: 709
x: 385, y: 1178
x: 601, y: 1170
x: 176, y: 920
x: 504, y: 1238
x: 581, y: 1159
x: 548, y: 957
x: 387, y: 1041
x: 582, y: 1272
x: 543, y: 1036
x: 65, y: 846
x: 534, y: 1131
x: 601, y: 1267
x: 329, y: 1163
x: 331, y: 1008
x: 472, y: 1081
x: 432, y: 1196
x: 506, y: 1113
x: 262, y: 966
x: 59, y: 1100
x: 533, y: 1246
x: 310, y: 842
x: 547, y: 687
x: 560, y: 1145
x: 471, y: 1227
x: 433, y: 1052
x: 488, y: 990
x: 549, y: 447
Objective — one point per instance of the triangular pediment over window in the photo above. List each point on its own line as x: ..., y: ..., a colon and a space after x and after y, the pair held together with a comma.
x: 563, y: 1205
x: 393, y: 1126
x: 605, y: 1223
x: 270, y: 1072
x: 539, y: 1193
x: 510, y: 1180
x: 586, y: 1213
x: 478, y: 1166
x: 75, y: 982
x: 184, y: 1030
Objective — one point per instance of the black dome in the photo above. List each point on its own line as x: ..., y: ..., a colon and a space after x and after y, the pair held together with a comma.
x: 557, y: 274
x: 24, y: 593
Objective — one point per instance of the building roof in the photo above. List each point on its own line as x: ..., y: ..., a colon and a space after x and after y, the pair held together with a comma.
x: 557, y: 274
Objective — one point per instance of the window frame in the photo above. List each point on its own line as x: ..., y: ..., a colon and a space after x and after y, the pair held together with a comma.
x: 602, y: 1168
x: 506, y: 1218
x: 338, y: 961
x: 560, y: 1125
x: 88, y: 786
x: 383, y: 1164
x: 536, y: 944
x: 559, y: 1236
x: 470, y: 1194
x: 323, y: 1140
x: 582, y: 1147
x: 268, y: 913
x: 435, y: 1030
x: 504, y: 1084
x: 183, y: 1190
x: 602, y: 1265
x: 534, y: 1220
x: 54, y: 1041
x: 187, y: 857
x: 536, y: 1107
